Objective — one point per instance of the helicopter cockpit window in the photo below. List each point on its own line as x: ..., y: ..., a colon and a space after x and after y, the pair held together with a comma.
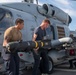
x: 49, y: 32
x: 2, y: 14
x: 5, y: 19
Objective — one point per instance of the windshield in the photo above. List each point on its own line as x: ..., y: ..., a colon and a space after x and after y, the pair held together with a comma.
x: 5, y: 19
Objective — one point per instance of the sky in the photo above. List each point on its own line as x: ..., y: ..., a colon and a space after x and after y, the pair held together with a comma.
x: 67, y: 6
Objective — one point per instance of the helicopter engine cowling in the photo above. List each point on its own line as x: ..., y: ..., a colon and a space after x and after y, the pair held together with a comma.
x: 52, y: 11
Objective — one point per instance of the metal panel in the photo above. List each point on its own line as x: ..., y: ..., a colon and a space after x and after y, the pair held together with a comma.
x: 61, y: 32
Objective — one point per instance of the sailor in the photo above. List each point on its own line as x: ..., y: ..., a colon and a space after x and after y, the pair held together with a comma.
x: 39, y: 34
x: 11, y: 60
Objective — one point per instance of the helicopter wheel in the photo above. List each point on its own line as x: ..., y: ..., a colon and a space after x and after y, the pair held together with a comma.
x: 50, y: 65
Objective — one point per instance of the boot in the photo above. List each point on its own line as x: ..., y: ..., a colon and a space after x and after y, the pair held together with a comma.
x: 71, y: 64
x: 75, y: 64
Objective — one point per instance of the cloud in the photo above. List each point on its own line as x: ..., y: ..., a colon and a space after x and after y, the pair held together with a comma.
x: 65, y: 2
x: 66, y: 6
x: 71, y: 12
x: 1, y: 1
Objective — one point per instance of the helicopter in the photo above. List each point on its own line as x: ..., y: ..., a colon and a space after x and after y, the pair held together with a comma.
x: 33, y: 14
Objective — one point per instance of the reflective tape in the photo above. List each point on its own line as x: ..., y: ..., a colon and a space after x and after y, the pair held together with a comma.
x: 36, y: 44
x: 42, y: 44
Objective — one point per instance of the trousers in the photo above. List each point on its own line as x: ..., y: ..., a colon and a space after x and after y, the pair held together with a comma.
x: 40, y: 66
x: 11, y: 63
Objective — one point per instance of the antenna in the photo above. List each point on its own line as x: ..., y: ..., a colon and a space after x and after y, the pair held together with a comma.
x: 37, y: 1
x: 29, y: 1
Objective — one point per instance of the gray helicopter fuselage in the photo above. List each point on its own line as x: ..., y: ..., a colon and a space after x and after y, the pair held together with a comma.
x: 33, y: 14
